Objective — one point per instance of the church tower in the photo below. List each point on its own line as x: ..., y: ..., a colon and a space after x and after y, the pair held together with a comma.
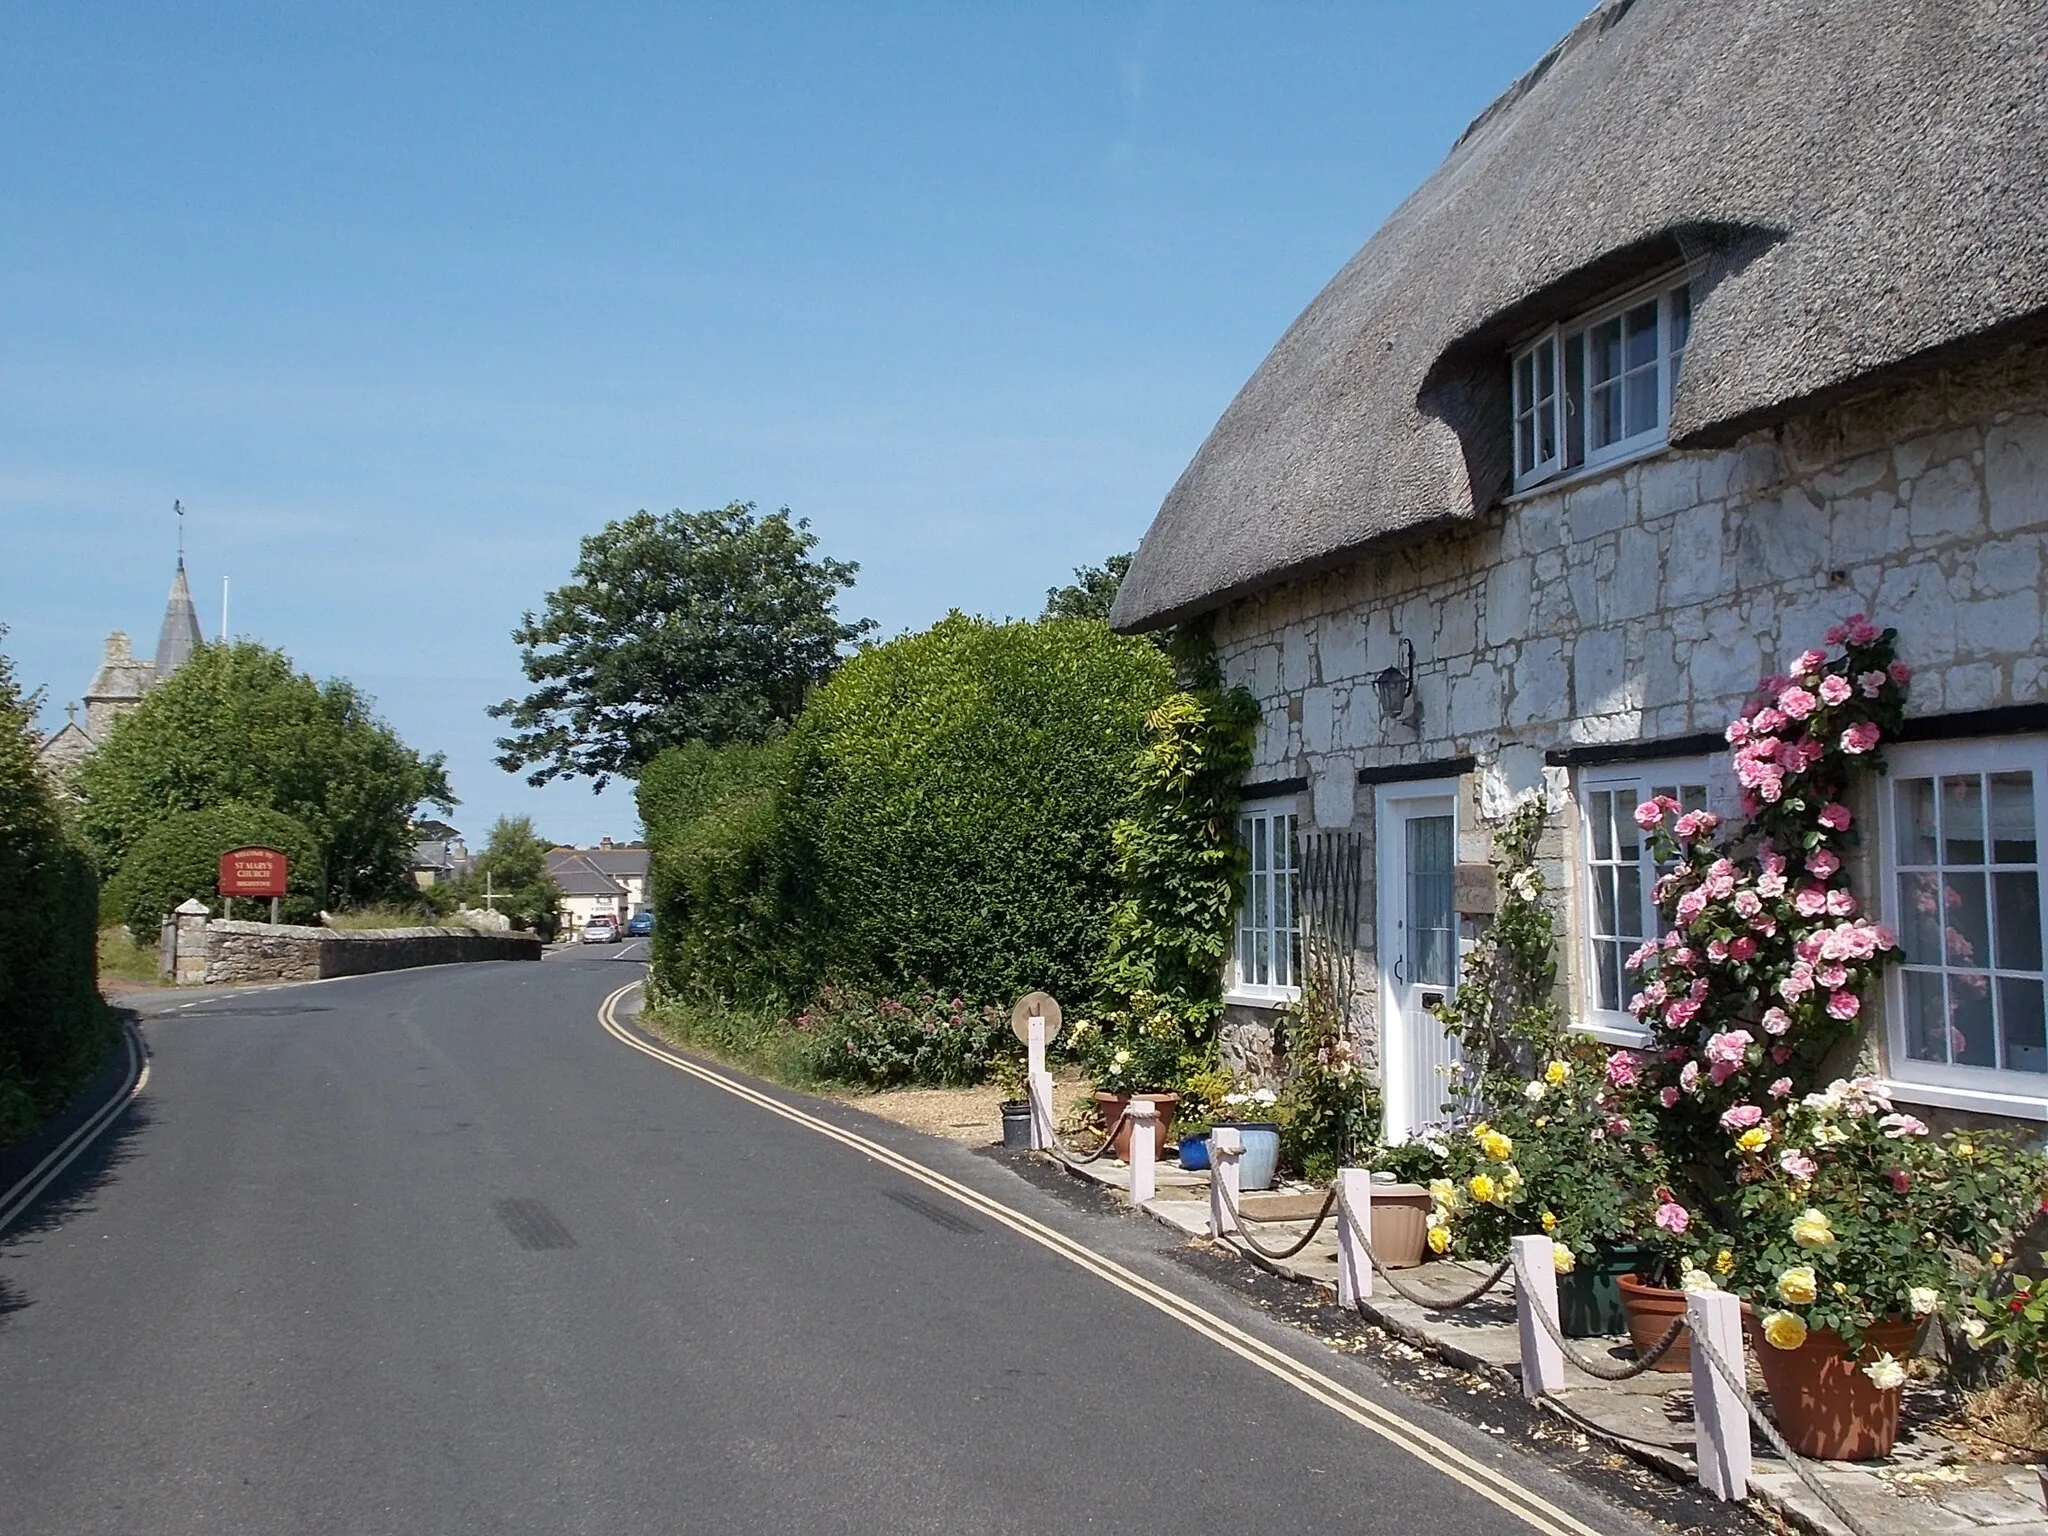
x: 179, y: 634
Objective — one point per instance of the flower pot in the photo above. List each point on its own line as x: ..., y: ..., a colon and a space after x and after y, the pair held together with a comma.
x: 1194, y: 1151
x: 1261, y: 1160
x: 1400, y: 1224
x: 1110, y: 1106
x: 1649, y: 1310
x: 1016, y: 1125
x: 1589, y: 1298
x: 1826, y: 1407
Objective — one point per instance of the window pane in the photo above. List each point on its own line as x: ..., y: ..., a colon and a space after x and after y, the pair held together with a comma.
x: 1525, y: 445
x: 1681, y: 320
x: 1600, y: 822
x: 1916, y: 821
x: 1969, y: 919
x: 1962, y: 820
x: 1645, y: 407
x: 1545, y: 371
x: 1970, y: 1034
x: 1604, y: 426
x: 1430, y: 859
x: 2012, y: 818
x: 1606, y: 991
x: 1603, y: 345
x: 1926, y: 1019
x: 1574, y: 392
x: 1642, y: 334
x: 1603, y: 901
x: 1261, y: 826
x: 2020, y: 1023
x: 1628, y: 837
x: 2018, y: 903
x: 1920, y: 918
x: 1525, y: 382
x: 1628, y: 901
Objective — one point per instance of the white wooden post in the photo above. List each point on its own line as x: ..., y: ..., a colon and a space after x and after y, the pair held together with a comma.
x: 1354, y: 1231
x: 1226, y: 1146
x: 1039, y: 1082
x: 1536, y: 1286
x: 1720, y: 1421
x: 1144, y: 1116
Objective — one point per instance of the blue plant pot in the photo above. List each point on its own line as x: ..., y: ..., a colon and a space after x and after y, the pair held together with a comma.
x: 1261, y: 1158
x: 1194, y: 1151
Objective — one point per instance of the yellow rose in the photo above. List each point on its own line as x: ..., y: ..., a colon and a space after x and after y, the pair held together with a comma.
x: 1997, y: 1260
x: 1482, y: 1188
x: 1754, y: 1139
x: 1496, y: 1146
x: 1556, y: 1073
x: 1724, y: 1261
x: 1812, y: 1229
x: 1549, y: 1221
x: 1799, y: 1285
x: 1562, y: 1259
x: 1439, y: 1239
x: 1784, y: 1330
x: 1510, y: 1182
x: 1965, y: 1149
x: 1442, y: 1191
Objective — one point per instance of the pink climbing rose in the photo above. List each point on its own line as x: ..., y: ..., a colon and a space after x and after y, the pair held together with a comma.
x: 1859, y: 738
x: 1836, y: 817
x: 1673, y: 1217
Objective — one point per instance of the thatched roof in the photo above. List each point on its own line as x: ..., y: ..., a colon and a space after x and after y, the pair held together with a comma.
x: 1858, y: 185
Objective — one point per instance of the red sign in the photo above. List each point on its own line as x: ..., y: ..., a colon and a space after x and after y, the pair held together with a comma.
x: 252, y: 872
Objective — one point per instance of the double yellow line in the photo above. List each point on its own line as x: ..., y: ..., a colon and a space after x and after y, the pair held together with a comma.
x: 1388, y: 1425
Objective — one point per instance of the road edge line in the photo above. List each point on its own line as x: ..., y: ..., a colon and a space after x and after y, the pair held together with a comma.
x: 18, y: 1199
x: 1378, y: 1419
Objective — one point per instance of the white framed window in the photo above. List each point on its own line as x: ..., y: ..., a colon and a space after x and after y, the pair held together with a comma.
x: 1618, y: 874
x: 1598, y: 389
x: 1962, y: 887
x: 1266, y: 959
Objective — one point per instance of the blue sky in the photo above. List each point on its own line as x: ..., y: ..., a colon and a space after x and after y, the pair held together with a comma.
x: 403, y: 301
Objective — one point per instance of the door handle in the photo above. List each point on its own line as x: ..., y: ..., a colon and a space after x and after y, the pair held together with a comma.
x: 1400, y: 978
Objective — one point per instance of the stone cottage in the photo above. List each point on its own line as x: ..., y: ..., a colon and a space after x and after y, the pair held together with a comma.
x: 1727, y: 320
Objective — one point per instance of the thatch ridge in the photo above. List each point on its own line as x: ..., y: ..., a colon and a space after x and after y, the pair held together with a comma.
x: 1858, y: 187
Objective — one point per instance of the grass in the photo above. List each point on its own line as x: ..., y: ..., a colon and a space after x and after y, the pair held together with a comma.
x: 122, y: 959
x: 382, y: 915
x: 754, y: 1042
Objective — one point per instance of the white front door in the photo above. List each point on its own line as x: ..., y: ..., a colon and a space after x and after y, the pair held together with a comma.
x: 1417, y: 836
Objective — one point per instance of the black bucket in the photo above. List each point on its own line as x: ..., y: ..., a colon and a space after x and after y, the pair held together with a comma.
x: 1016, y: 1125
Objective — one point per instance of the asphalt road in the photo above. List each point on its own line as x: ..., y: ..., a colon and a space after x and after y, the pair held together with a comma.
x: 432, y: 1253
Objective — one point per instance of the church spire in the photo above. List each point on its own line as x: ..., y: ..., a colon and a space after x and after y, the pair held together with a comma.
x: 180, y: 632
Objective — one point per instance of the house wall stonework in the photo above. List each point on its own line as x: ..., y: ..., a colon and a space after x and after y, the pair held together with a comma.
x: 1645, y: 603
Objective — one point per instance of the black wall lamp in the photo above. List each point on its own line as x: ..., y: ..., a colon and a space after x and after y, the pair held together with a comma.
x: 1396, y: 686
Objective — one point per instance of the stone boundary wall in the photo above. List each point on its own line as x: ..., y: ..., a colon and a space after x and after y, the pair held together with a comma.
x: 237, y: 951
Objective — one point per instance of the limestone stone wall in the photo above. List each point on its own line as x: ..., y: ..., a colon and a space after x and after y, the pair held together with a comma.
x: 237, y: 952
x: 1645, y: 603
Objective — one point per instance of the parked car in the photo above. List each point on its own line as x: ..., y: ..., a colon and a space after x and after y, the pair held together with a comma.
x: 601, y: 930
x: 640, y: 925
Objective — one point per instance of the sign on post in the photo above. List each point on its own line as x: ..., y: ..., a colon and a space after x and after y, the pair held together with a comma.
x: 251, y: 872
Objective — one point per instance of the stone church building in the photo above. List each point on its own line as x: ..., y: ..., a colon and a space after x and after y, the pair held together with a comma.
x: 122, y: 679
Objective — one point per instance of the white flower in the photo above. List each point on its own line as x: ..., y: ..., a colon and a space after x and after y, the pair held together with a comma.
x: 1697, y: 1280
x: 1885, y: 1372
x: 1923, y: 1299
x: 1526, y: 884
x: 1534, y: 1089
x: 1973, y: 1328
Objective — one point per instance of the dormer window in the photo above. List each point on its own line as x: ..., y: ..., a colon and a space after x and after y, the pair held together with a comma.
x: 1598, y: 389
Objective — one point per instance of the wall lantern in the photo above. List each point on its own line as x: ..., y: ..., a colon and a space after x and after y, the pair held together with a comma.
x: 1396, y: 686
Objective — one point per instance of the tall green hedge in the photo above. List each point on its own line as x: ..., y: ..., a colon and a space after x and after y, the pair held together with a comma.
x: 53, y: 1027
x: 179, y: 858
x: 955, y: 792
x: 730, y: 912
x: 941, y: 813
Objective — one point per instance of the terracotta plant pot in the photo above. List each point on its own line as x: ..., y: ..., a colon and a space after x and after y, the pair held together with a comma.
x: 1400, y: 1224
x: 1826, y: 1407
x: 1110, y: 1106
x: 1649, y: 1310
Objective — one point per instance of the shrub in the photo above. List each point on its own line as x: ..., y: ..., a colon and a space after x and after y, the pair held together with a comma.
x: 179, y: 858
x: 886, y: 1042
x: 952, y: 794
x: 53, y: 1027
x: 729, y: 908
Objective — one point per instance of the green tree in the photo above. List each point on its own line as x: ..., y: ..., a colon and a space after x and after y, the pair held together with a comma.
x: 179, y: 857
x: 1092, y: 592
x: 237, y: 723
x: 512, y: 872
x: 693, y: 626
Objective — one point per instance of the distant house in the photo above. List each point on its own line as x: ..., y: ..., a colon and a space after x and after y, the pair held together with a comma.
x: 608, y: 880
x: 439, y: 854
x: 1724, y: 322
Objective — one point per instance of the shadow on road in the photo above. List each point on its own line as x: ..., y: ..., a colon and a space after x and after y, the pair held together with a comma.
x: 73, y: 1193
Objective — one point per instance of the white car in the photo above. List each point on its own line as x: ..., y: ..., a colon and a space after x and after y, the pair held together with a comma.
x: 601, y: 930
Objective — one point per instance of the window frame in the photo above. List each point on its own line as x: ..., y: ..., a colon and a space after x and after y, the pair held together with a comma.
x: 1994, y: 1089
x: 1646, y: 777
x: 1255, y: 993
x: 1572, y: 408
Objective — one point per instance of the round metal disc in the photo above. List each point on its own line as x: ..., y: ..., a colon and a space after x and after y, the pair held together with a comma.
x: 1043, y: 1006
